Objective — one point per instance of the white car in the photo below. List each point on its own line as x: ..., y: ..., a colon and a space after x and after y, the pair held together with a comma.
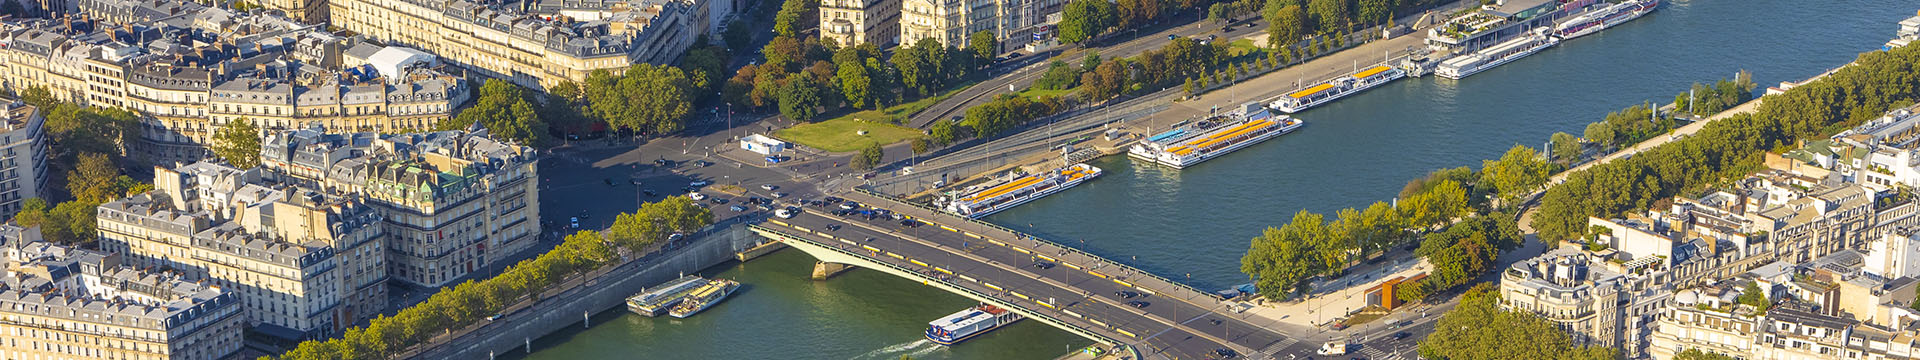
x: 768, y: 187
x: 783, y: 213
x: 697, y: 196
x: 779, y: 195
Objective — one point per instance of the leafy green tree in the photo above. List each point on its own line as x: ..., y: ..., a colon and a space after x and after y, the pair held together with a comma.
x: 1752, y: 295
x: 1371, y: 12
x: 705, y: 66
x: 792, y: 17
x: 39, y: 97
x: 33, y: 212
x: 506, y: 111
x: 1084, y: 19
x: 1566, y: 147
x: 1330, y: 15
x: 944, y: 132
x: 1518, y: 173
x: 868, y: 158
x: 238, y: 142
x: 737, y: 35
x: 1478, y: 329
x: 1601, y: 133
x: 984, y: 46
x: 919, y: 145
x: 92, y: 179
x: 800, y: 99
x: 922, y: 66
x: 1059, y: 76
x: 1697, y: 354
x: 856, y: 86
x: 1280, y: 262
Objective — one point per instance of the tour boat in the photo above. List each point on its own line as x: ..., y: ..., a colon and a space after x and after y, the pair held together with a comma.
x: 1339, y: 87
x: 1603, y: 18
x: 712, y: 293
x: 1190, y: 144
x: 1463, y: 66
x: 968, y: 323
x: 1020, y: 189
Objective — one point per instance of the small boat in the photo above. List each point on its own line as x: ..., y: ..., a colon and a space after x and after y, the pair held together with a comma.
x: 661, y: 298
x: 705, y: 297
x: 969, y: 323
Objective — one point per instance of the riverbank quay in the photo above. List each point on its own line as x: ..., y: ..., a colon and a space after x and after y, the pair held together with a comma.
x: 1139, y: 116
x: 576, y: 301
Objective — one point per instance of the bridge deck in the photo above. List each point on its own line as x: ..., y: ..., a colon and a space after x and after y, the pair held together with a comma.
x: 1176, y: 324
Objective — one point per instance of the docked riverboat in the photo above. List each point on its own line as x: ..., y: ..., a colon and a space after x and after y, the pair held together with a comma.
x: 1192, y: 143
x: 1335, y: 89
x: 1020, y: 189
x: 1467, y: 65
x: 704, y: 297
x: 1604, y: 17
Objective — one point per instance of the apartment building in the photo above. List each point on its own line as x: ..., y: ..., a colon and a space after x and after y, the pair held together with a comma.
x: 854, y: 22
x: 303, y: 264
x: 64, y: 303
x: 23, y: 156
x: 454, y: 202
x: 198, y: 69
x: 1596, y: 301
x: 951, y: 22
x: 533, y: 44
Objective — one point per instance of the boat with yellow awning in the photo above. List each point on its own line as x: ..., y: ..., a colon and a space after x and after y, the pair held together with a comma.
x: 1215, y: 136
x: 1331, y: 90
x: 1019, y: 189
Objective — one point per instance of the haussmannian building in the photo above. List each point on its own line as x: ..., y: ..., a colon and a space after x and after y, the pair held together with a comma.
x: 533, y: 44
x: 454, y: 202
x: 952, y: 22
x: 189, y: 69
x: 303, y: 264
x: 64, y: 303
x: 854, y: 22
x: 23, y: 156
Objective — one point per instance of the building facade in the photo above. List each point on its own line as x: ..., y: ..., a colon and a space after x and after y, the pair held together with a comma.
x: 854, y: 22
x: 454, y: 202
x: 23, y: 156
x: 537, y: 45
x: 951, y: 22
x: 190, y: 73
x: 64, y: 303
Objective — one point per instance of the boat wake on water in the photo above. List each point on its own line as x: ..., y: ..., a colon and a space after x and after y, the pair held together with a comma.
x: 914, y: 348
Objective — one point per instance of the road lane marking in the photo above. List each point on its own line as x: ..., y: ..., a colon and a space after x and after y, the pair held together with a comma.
x: 1124, y: 332
x: 870, y: 248
x: 995, y: 288
x: 804, y: 230
x: 1043, y: 303
x: 949, y: 228
x: 996, y: 242
x: 782, y: 223
x: 1023, y: 251
x: 967, y: 278
x: 1070, y: 312
x: 948, y: 272
x: 1072, y: 266
x: 1097, y: 273
x: 1048, y: 259
x: 1122, y: 283
x: 896, y: 256
x: 917, y: 262
x: 972, y: 235
x: 1019, y: 295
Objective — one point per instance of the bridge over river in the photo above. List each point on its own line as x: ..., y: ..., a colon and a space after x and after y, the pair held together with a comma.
x: 1077, y: 292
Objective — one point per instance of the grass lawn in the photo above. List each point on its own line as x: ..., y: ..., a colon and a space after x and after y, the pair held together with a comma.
x: 842, y: 134
x: 1241, y: 47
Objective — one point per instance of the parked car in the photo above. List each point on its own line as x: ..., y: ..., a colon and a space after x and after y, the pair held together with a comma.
x: 779, y: 195
x: 699, y: 183
x: 1138, y: 304
x: 697, y: 196
x: 738, y: 208
x: 574, y: 222
x: 1126, y: 294
x: 649, y: 193
x: 768, y: 187
x: 719, y: 200
x: 783, y: 214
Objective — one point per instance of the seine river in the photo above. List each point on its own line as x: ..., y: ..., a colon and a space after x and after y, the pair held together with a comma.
x: 1195, y: 223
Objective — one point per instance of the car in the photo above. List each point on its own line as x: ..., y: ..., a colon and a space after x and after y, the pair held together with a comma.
x: 1227, y: 29
x: 832, y: 199
x: 779, y: 195
x: 699, y: 183
x: 832, y: 227
x: 768, y: 187
x: 1249, y: 25
x: 1225, y: 353
x: 703, y: 163
x: 1171, y: 37
x: 1401, y: 335
x: 697, y: 196
x: 495, y: 317
x: 719, y: 200
x: 1138, y: 304
x: 635, y: 182
x: 1211, y: 37
x: 738, y: 208
x: 1043, y: 265
x: 1015, y: 56
x: 783, y: 214
x: 676, y: 237
x: 1126, y: 294
x: 574, y: 222
x: 909, y: 223
x: 848, y: 205
x: 1338, y: 326
x: 649, y: 193
x: 896, y: 216
x: 663, y: 162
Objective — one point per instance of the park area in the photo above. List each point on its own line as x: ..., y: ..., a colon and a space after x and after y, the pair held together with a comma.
x: 843, y: 134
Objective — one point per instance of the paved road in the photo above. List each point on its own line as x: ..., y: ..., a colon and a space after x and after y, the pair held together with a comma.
x: 1025, y: 70
x: 1172, y: 326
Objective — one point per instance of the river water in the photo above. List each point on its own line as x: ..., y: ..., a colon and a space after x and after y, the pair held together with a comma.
x: 1195, y: 223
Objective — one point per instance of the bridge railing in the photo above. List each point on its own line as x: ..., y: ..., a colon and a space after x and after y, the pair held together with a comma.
x: 1038, y: 240
x: 957, y: 285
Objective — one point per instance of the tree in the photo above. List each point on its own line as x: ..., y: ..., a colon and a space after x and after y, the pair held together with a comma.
x: 238, y: 142
x: 800, y: 99
x: 1370, y: 12
x: 1752, y: 295
x: 1566, y: 147
x: 39, y: 97
x: 1516, y: 174
x: 92, y: 179
x: 1084, y: 19
x: 738, y: 35
x: 1478, y: 329
x: 1286, y: 26
x: 1329, y: 15
x: 505, y: 110
x: 944, y: 132
x: 1059, y: 76
x: 984, y: 46
x: 921, y: 66
x: 1697, y: 354
x: 868, y: 158
x: 856, y: 86
x: 33, y: 212
x: 792, y: 17
x: 1601, y: 133
x: 919, y: 145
